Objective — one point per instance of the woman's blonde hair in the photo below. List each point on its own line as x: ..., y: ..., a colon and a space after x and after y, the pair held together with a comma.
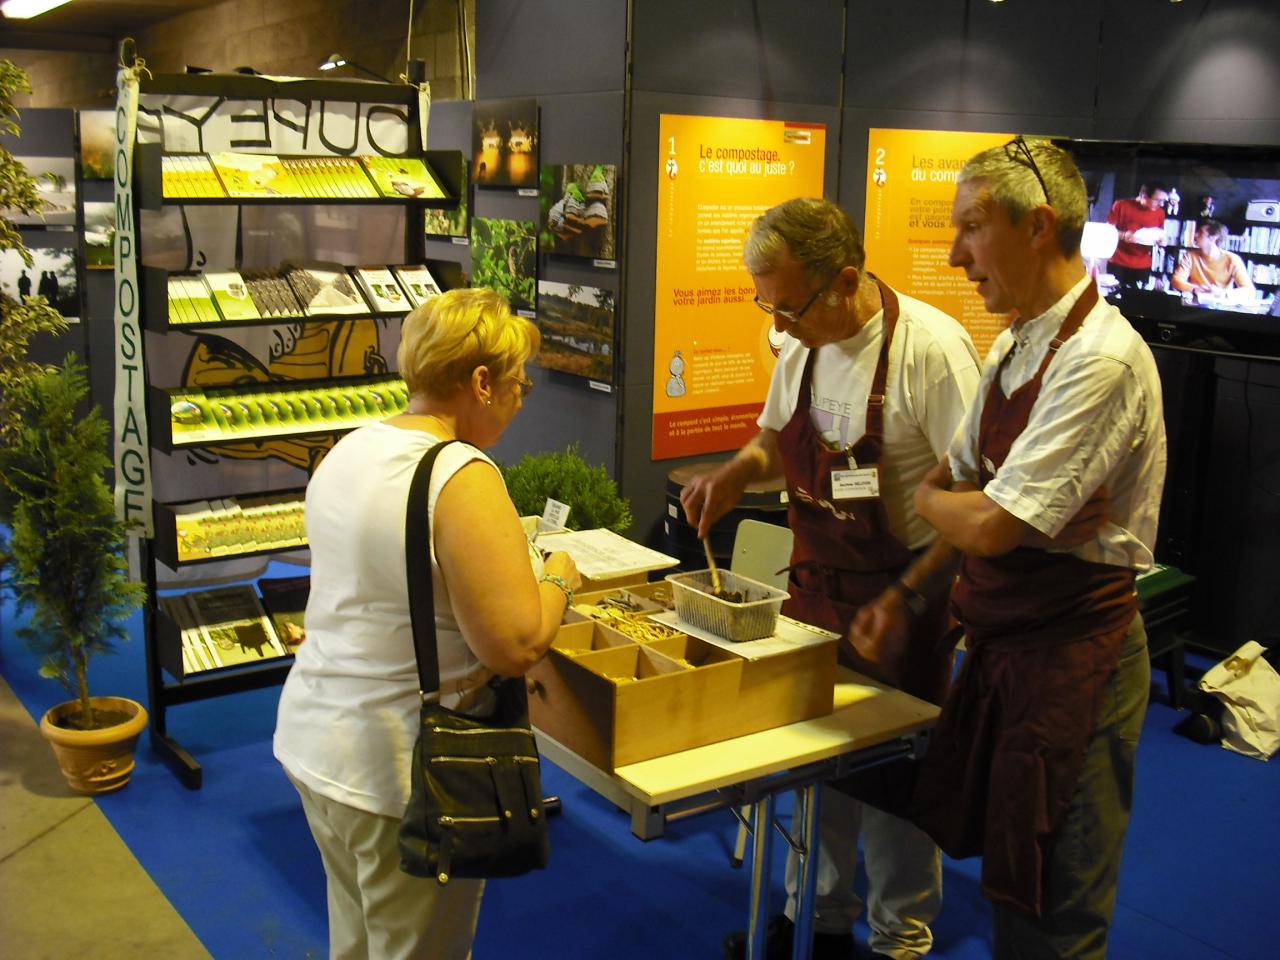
x: 445, y: 339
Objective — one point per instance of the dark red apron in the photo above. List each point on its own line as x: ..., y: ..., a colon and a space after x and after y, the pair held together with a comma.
x: 844, y: 553
x: 1043, y: 632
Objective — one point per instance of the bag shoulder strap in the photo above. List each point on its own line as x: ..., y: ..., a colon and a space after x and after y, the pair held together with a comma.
x: 417, y: 561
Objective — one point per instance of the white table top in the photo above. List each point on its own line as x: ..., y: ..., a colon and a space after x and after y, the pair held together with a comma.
x: 866, y: 714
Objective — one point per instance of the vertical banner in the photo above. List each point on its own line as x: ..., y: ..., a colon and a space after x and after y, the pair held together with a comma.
x: 132, y: 453
x: 711, y: 353
x: 911, y: 181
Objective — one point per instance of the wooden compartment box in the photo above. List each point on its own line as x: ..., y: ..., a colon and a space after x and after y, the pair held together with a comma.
x: 614, y: 701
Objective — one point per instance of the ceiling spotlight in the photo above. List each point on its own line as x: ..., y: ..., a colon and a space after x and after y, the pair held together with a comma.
x: 338, y: 60
x: 26, y: 9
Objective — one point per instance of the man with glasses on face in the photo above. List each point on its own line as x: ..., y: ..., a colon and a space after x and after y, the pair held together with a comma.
x: 1051, y: 491
x: 866, y: 395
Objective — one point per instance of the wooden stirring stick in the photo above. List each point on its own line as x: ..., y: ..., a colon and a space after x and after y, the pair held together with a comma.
x: 711, y: 562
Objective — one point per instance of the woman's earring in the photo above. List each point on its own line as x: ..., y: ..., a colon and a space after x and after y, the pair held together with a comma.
x: 489, y: 402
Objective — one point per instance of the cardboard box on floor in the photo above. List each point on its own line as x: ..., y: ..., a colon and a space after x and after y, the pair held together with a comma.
x: 615, y: 701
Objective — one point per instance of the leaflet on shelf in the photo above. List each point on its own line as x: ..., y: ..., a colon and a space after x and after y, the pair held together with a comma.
x: 196, y: 655
x: 403, y: 177
x: 285, y: 600
x: 272, y: 295
x: 381, y: 289
x: 189, y: 176
x: 189, y: 300
x: 336, y: 178
x: 234, y: 625
x: 325, y: 288
x: 231, y: 295
x: 417, y: 282
x: 254, y: 175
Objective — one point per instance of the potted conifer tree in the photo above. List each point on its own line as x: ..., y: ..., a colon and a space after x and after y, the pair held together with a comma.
x: 68, y: 569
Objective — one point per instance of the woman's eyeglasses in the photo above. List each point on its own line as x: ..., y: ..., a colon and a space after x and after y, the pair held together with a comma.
x: 1018, y: 151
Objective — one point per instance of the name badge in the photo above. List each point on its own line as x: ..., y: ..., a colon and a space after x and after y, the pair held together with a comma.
x: 861, y: 484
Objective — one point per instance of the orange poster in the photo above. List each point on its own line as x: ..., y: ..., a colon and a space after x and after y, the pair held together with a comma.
x: 911, y: 181
x: 711, y: 355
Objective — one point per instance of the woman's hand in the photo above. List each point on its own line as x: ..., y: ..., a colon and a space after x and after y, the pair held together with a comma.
x: 560, y: 564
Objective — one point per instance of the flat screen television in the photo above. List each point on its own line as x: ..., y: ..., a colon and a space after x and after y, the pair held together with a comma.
x: 1185, y: 239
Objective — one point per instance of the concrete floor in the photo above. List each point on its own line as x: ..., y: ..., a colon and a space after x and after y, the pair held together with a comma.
x: 68, y: 885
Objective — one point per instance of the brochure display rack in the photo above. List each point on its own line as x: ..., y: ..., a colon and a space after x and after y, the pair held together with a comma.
x: 255, y: 367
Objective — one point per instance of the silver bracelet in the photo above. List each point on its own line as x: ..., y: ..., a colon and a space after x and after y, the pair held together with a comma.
x: 560, y: 582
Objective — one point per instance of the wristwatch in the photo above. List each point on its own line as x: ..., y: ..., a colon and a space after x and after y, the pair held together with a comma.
x: 912, y: 599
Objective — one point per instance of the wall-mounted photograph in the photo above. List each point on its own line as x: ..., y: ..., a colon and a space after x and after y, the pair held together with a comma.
x: 52, y: 275
x: 577, y: 330
x: 97, y: 144
x: 56, y: 184
x: 450, y: 221
x: 578, y: 209
x: 504, y: 143
x: 99, y: 236
x: 504, y: 257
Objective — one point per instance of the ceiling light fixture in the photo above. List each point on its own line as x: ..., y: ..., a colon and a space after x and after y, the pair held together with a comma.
x: 26, y: 9
x: 338, y: 60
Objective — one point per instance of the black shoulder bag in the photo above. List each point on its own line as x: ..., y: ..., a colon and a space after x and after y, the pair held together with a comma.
x: 475, y: 804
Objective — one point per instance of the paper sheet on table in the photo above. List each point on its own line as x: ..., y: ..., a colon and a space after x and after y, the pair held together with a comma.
x: 602, y: 554
x: 787, y: 636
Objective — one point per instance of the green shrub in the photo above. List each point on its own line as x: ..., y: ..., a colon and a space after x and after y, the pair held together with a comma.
x: 591, y: 494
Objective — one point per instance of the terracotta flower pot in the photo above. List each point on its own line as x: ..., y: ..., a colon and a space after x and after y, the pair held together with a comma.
x: 95, y: 761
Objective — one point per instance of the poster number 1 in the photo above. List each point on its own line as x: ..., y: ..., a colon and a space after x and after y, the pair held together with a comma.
x: 671, y: 145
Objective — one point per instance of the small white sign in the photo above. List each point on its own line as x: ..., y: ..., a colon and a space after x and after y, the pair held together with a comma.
x: 604, y: 264
x: 461, y: 241
x: 555, y: 514
x: 597, y: 385
x: 527, y: 192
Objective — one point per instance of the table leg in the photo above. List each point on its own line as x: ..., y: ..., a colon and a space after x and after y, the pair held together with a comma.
x: 761, y: 870
x: 810, y: 800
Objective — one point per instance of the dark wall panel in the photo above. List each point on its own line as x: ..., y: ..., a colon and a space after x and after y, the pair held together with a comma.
x: 555, y: 46
x: 772, y: 51
x: 973, y: 56
x: 1204, y: 70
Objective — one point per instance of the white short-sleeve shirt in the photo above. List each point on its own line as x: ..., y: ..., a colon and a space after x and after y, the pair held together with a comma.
x: 932, y: 376
x: 1099, y: 419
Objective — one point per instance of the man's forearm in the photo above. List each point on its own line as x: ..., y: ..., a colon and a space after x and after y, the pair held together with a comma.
x: 969, y: 520
x: 932, y: 573
x: 760, y: 459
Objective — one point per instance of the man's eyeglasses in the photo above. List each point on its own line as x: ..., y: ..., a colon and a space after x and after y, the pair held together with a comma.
x: 526, y: 386
x: 791, y: 316
x: 1018, y: 151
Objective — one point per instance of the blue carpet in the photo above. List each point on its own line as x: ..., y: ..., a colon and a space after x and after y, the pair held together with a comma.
x: 1199, y: 882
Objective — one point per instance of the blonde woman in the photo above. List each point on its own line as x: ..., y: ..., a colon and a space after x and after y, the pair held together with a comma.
x: 348, y: 713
